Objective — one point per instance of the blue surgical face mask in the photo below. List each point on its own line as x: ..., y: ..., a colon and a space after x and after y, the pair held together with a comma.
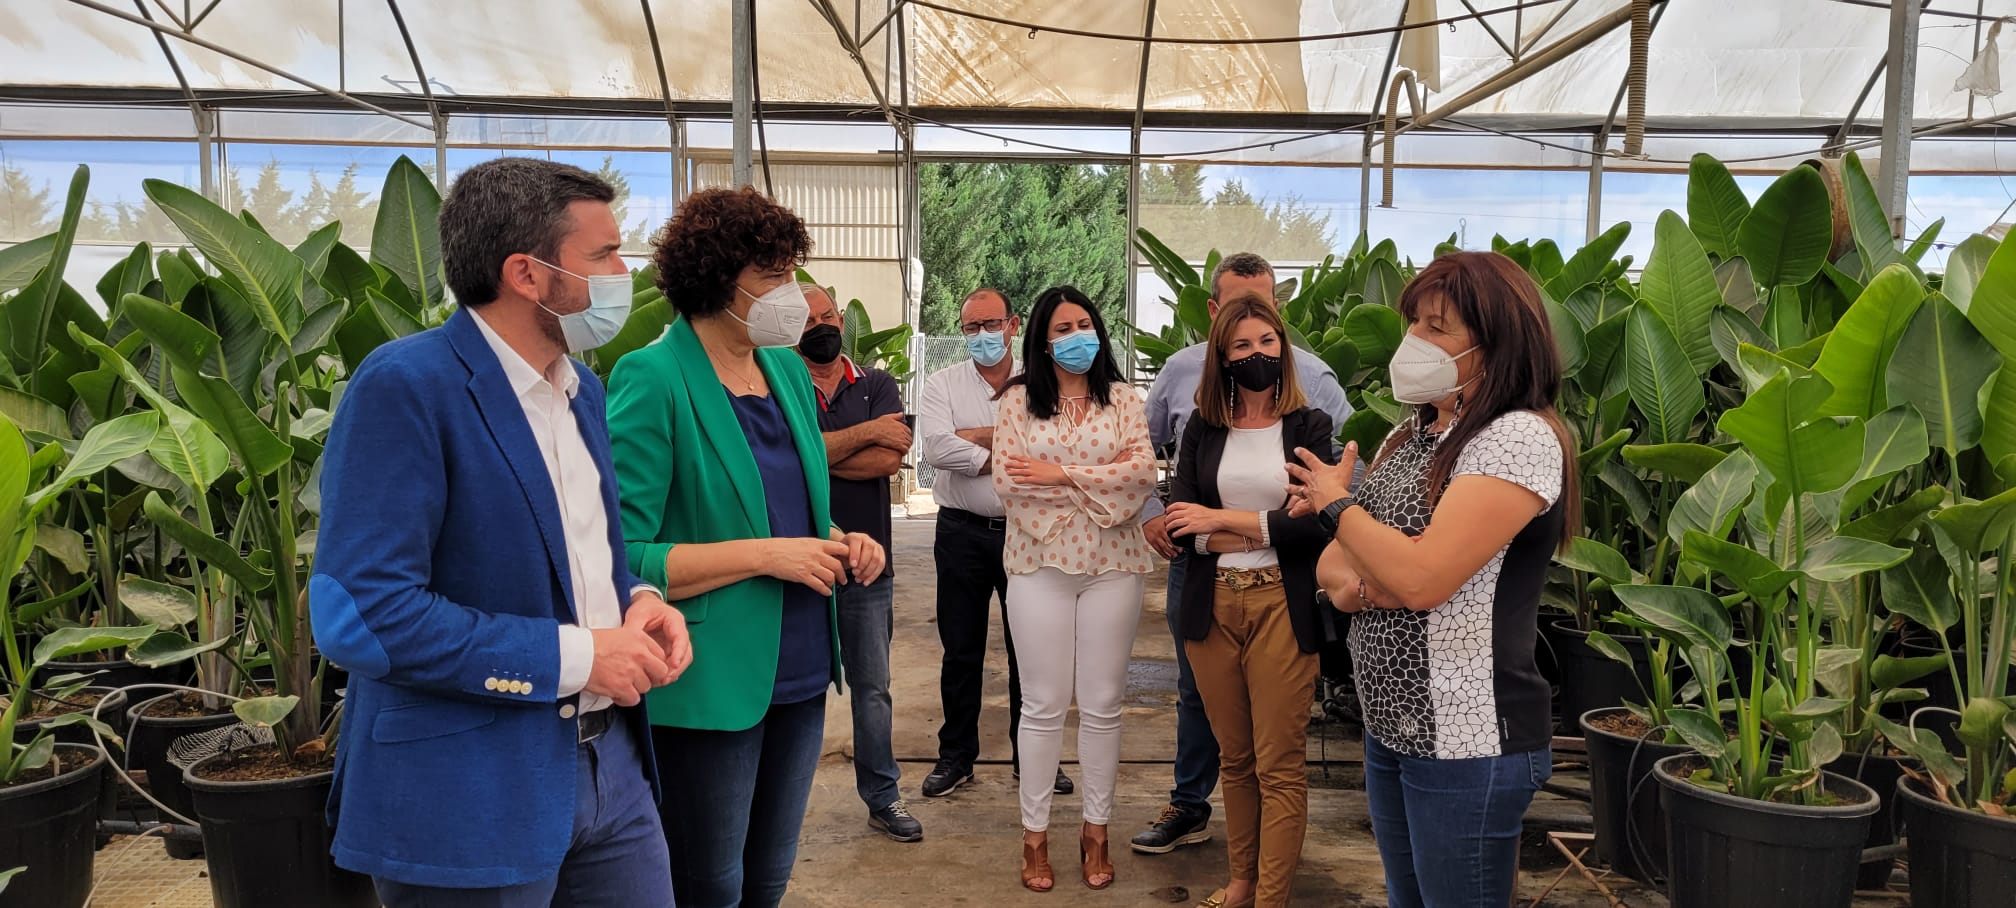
x: 987, y: 347
x: 1076, y: 351
x: 608, y: 308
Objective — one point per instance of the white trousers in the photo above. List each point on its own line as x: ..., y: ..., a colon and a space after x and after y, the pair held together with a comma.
x: 1073, y: 634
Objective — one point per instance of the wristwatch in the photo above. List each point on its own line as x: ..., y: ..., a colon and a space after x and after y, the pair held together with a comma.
x: 1333, y: 512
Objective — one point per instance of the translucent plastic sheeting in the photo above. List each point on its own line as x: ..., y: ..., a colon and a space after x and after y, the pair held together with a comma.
x: 41, y: 120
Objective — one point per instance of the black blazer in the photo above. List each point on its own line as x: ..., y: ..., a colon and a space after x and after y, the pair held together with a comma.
x: 1298, y: 541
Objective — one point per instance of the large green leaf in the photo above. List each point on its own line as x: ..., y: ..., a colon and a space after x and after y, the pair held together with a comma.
x: 1993, y: 310
x: 647, y: 322
x: 347, y: 276
x: 1998, y: 413
x: 1757, y: 576
x: 1858, y: 352
x: 188, y: 448
x: 1604, y: 351
x: 268, y: 274
x: 1595, y: 456
x: 33, y: 415
x: 131, y: 275
x: 1588, y: 264
x: 212, y: 551
x: 13, y: 491
x: 1193, y: 309
x: 407, y: 236
x: 1845, y: 557
x: 106, y: 444
x: 1940, y: 366
x: 1679, y: 285
x: 255, y: 443
x: 1804, y: 454
x: 186, y: 341
x: 1889, y: 524
x: 1979, y: 526
x: 1376, y: 331
x: 64, y: 642
x: 1729, y: 330
x: 1866, y: 219
x: 1892, y: 441
x: 218, y: 306
x: 1594, y: 558
x: 20, y: 262
x: 1569, y: 338
x: 171, y: 648
x: 1715, y: 205
x: 1663, y: 384
x: 32, y: 314
x: 1686, y: 462
x: 164, y: 606
x: 1712, y: 504
x: 264, y: 712
x: 1964, y: 267
x: 1366, y: 427
x: 1788, y: 233
x: 1684, y: 614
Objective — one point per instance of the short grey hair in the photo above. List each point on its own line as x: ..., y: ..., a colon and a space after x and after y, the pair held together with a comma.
x: 808, y: 288
x: 1243, y: 264
x: 503, y: 207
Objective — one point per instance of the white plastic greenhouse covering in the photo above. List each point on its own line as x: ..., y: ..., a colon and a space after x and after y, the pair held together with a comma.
x: 1723, y: 63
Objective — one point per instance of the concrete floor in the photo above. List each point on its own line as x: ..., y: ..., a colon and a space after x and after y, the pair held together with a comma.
x: 970, y: 852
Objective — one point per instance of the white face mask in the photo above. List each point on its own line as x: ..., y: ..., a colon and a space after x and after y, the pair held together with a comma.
x: 777, y: 319
x: 1422, y: 372
x: 608, y: 308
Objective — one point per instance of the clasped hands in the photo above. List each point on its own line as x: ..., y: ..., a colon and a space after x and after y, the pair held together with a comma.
x: 651, y: 649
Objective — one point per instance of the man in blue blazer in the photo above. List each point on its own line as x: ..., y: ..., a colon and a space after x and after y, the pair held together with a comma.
x: 471, y: 577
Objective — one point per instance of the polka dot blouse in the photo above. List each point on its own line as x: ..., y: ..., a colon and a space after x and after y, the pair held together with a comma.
x: 1092, y: 525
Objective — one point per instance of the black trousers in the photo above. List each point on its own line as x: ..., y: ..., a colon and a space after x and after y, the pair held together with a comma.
x: 970, y: 576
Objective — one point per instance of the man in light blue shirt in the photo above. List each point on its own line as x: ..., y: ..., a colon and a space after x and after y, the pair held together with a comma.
x: 1171, y: 402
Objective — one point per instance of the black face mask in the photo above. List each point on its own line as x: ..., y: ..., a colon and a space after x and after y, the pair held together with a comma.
x: 1257, y: 372
x: 821, y: 344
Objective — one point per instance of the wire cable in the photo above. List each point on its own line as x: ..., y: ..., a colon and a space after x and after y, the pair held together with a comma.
x: 1034, y: 28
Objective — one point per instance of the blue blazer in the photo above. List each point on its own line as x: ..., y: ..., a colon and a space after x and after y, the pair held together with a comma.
x: 441, y: 579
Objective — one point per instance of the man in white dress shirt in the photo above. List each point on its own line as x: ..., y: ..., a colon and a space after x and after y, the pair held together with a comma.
x: 955, y: 418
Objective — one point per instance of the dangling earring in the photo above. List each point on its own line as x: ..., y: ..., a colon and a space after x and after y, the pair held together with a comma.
x: 1277, y: 394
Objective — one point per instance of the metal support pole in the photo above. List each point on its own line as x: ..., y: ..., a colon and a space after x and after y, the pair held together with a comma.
x: 1900, y: 77
x: 1594, y: 228
x: 743, y: 72
x: 206, y: 134
x: 1134, y: 175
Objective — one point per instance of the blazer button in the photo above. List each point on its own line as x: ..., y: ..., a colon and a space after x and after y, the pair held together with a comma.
x: 567, y: 712
x: 491, y: 683
x: 524, y: 687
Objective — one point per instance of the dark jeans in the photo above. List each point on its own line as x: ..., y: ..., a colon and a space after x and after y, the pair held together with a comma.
x: 1196, y: 746
x: 1448, y: 830
x: 617, y: 856
x: 970, y: 576
x: 734, y: 801
x: 865, y: 628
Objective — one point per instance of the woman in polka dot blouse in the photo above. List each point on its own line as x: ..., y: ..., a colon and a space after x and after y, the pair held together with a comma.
x: 1443, y: 554
x: 1074, y: 467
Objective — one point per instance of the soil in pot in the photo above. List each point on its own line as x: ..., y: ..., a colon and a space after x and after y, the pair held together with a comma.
x: 48, y: 824
x: 265, y: 833
x: 1959, y: 858
x: 84, y: 701
x: 1880, y: 771
x: 1623, y: 799
x: 1729, y: 852
x: 157, y: 725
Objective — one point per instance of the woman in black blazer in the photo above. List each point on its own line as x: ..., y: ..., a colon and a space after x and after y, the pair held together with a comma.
x: 1250, y: 618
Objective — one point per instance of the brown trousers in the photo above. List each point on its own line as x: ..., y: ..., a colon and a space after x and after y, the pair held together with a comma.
x: 1257, y: 686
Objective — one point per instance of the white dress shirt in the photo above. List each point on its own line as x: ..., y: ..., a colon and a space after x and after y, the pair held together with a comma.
x: 957, y: 398
x: 577, y: 484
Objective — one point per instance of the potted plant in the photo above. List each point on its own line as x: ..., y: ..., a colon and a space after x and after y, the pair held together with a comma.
x: 49, y: 792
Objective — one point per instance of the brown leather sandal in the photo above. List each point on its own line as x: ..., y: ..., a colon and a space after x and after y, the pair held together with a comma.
x: 1036, y: 865
x: 1094, y: 859
x: 1217, y: 900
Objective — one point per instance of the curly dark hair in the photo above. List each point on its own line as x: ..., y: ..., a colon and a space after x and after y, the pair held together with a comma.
x: 713, y: 236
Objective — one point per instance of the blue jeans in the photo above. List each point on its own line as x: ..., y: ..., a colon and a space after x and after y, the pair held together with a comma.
x: 734, y: 801
x: 865, y: 628
x: 1448, y: 830
x: 616, y: 856
x: 1196, y: 746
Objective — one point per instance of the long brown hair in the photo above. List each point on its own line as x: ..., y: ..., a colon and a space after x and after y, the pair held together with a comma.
x: 1214, y: 392
x: 1521, y: 369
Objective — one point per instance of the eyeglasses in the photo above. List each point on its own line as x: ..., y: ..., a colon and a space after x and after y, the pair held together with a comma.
x: 993, y: 324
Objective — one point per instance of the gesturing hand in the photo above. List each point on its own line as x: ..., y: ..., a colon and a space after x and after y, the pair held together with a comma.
x: 1316, y: 484
x: 628, y: 663
x: 815, y: 563
x: 1032, y: 472
x: 1188, y: 518
x: 865, y: 557
x: 666, y: 626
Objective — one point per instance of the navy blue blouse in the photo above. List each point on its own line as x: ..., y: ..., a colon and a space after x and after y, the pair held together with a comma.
x: 804, y: 647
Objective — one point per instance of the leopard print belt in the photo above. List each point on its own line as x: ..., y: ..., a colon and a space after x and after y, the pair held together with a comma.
x: 1243, y: 579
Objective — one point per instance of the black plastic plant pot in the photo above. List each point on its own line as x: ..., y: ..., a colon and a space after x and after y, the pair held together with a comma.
x: 267, y: 843
x: 1959, y: 858
x: 1623, y: 799
x: 1880, y: 772
x: 1589, y: 679
x: 49, y: 827
x: 147, y: 745
x: 114, y: 672
x: 1729, y: 852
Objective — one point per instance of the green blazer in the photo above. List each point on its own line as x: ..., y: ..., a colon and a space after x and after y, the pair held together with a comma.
x: 686, y: 475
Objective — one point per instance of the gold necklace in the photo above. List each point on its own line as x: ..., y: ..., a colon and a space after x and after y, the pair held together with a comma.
x: 736, y: 372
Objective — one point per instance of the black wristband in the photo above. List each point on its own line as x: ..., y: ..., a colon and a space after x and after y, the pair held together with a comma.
x: 1333, y: 512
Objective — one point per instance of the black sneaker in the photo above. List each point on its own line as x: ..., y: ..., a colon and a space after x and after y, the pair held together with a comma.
x: 1176, y: 828
x: 1062, y: 786
x: 946, y: 777
x: 896, y: 822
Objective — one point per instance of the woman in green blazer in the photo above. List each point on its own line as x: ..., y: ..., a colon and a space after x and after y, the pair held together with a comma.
x: 725, y: 505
